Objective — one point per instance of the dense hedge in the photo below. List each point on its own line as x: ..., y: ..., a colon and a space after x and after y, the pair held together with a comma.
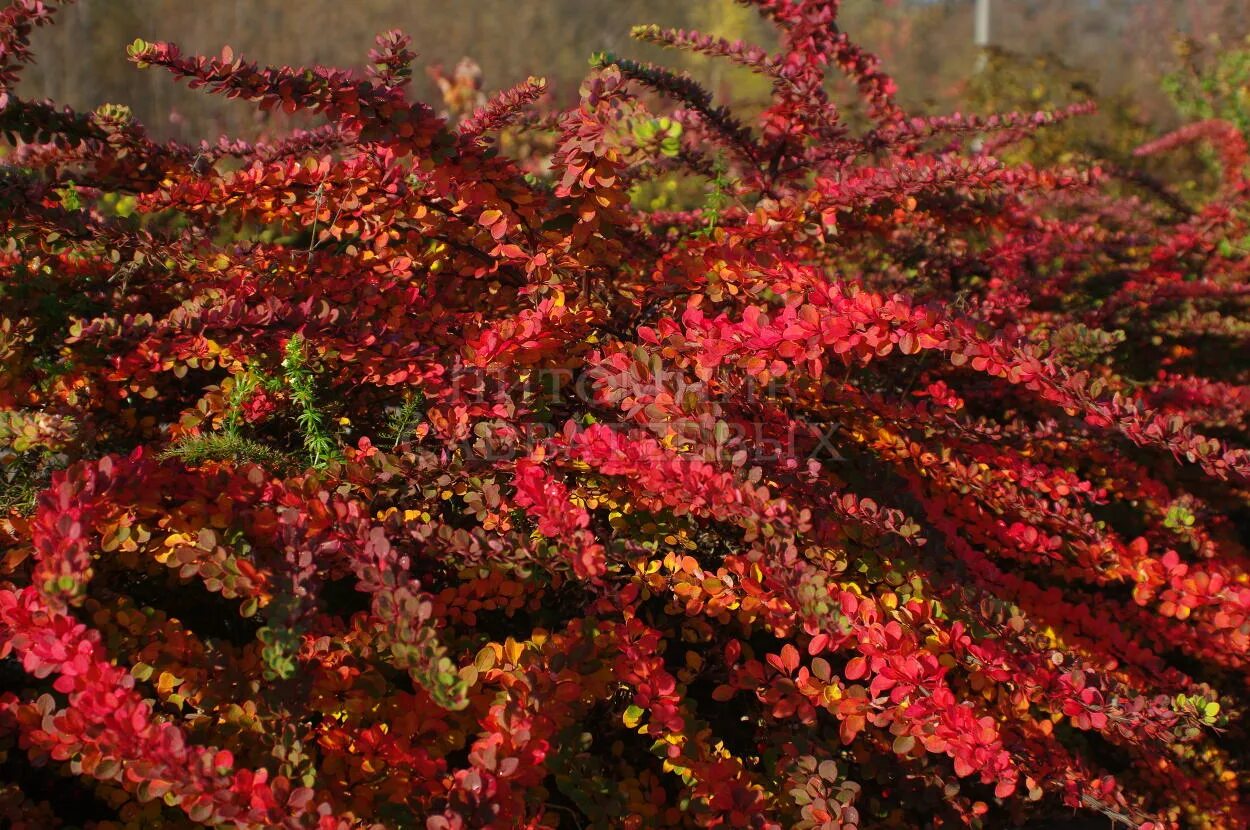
x: 370, y: 477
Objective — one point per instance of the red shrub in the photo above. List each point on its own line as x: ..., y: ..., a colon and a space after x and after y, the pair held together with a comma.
x: 389, y: 482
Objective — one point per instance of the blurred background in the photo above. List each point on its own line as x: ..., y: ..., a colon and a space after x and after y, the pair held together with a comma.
x: 1137, y: 58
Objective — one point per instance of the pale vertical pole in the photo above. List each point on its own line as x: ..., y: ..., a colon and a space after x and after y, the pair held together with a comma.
x: 981, y: 31
x: 981, y: 35
x: 981, y: 41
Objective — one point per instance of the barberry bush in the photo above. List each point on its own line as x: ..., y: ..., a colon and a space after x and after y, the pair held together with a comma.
x: 373, y: 477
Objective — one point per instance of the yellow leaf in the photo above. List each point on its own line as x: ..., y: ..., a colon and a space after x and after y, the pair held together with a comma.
x: 166, y: 683
x: 512, y: 650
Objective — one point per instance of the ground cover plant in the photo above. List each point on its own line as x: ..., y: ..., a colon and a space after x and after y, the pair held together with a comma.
x: 373, y: 477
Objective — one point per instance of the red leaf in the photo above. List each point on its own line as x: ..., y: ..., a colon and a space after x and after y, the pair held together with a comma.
x: 856, y: 668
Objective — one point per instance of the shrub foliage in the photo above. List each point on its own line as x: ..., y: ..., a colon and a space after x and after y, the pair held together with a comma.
x: 371, y: 477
